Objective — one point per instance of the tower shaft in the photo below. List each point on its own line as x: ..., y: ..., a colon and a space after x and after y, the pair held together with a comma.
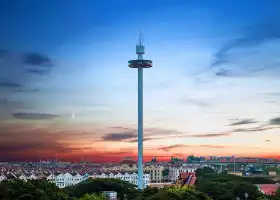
x: 140, y: 51
x: 140, y: 128
x: 140, y: 63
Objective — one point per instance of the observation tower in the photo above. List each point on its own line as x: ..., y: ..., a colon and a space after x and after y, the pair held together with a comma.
x: 140, y: 64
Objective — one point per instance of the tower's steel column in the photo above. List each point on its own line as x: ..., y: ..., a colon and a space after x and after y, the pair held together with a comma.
x: 140, y: 63
x: 140, y: 128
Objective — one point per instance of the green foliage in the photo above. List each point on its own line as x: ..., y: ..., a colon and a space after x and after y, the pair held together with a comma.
x: 175, y: 160
x: 148, y: 192
x: 154, y: 159
x: 267, y: 169
x: 173, y: 193
x: 226, y: 186
x: 263, y: 198
x: 277, y: 194
x: 192, y: 158
x: 31, y: 190
x: 98, y: 185
x: 93, y: 197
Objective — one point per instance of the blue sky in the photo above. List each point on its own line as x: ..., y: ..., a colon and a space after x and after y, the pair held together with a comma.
x: 216, y: 63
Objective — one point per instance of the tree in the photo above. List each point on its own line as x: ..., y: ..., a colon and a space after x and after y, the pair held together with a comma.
x: 241, y: 188
x: 175, y: 160
x: 263, y: 198
x: 277, y: 193
x: 165, y: 173
x: 98, y: 185
x: 31, y: 190
x: 147, y: 192
x: 226, y: 186
x: 178, y: 193
x: 192, y: 158
x: 154, y: 159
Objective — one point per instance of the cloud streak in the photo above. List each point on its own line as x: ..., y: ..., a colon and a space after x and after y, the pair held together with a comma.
x: 119, y: 136
x: 243, y: 122
x: 253, y: 35
x: 9, y: 84
x: 172, y: 147
x: 16, y: 69
x: 34, y: 116
x: 275, y: 121
x: 36, y: 59
x: 196, y: 102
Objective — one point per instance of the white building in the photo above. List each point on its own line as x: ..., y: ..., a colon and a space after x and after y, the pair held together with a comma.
x: 112, y: 195
x: 131, y: 177
x: 65, y: 179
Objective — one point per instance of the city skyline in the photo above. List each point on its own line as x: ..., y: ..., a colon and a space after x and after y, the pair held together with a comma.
x: 66, y: 90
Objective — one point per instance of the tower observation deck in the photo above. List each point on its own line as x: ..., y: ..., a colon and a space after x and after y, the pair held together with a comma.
x: 140, y: 64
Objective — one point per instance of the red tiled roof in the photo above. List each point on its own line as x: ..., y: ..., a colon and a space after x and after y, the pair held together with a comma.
x: 269, y: 189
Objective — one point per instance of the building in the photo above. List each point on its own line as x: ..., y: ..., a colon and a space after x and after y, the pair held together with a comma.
x: 62, y: 180
x: 128, y: 163
x: 111, y: 195
x: 268, y: 189
x: 129, y: 176
x: 161, y: 185
x: 155, y: 172
x: 236, y: 173
x: 272, y: 173
x: 175, y: 170
x: 187, y: 178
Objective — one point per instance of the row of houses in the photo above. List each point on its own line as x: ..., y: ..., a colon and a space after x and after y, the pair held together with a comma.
x: 64, y: 179
x: 64, y: 175
x: 155, y: 170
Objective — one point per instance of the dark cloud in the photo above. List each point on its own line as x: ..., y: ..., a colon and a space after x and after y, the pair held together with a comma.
x: 243, y: 122
x: 275, y: 121
x: 34, y: 116
x: 36, y: 59
x: 17, y: 70
x: 171, y: 147
x: 27, y: 90
x: 224, y: 72
x: 253, y: 35
x: 130, y: 135
x: 255, y: 129
x: 3, y: 52
x: 37, y: 71
x: 119, y: 136
x: 209, y: 135
x: 9, y: 84
x: 144, y: 139
x: 196, y: 102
